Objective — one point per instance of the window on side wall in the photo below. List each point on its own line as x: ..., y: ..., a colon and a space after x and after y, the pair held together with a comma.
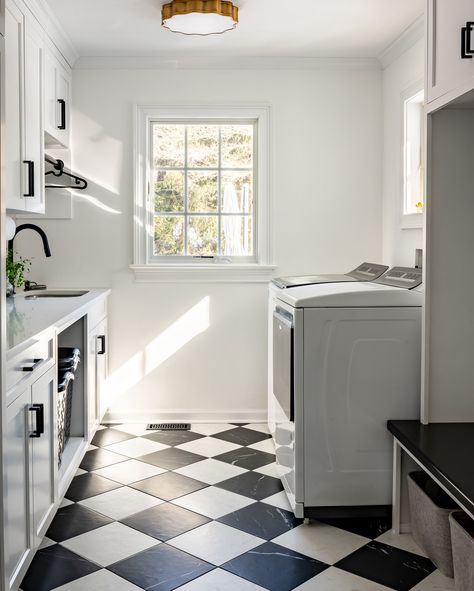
x: 201, y: 195
x: 413, y: 157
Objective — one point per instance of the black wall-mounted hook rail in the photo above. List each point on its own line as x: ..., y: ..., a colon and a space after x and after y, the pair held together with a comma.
x: 58, y: 170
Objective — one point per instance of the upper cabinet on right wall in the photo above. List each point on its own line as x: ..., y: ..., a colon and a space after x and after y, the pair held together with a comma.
x: 57, y: 102
x: 450, y: 49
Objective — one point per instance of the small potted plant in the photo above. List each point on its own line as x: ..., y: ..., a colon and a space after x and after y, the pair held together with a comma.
x: 16, y: 270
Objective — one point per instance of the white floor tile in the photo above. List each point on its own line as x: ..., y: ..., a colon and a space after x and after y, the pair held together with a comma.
x: 216, y: 543
x: 80, y: 471
x: 134, y: 448
x: 121, y: 502
x: 210, y: 428
x: 65, y: 503
x: 273, y: 470
x: 137, y: 429
x: 102, y: 580
x: 208, y: 446
x: 213, y: 502
x: 402, y: 541
x: 45, y: 542
x: 129, y: 471
x: 90, y: 447
x: 279, y: 500
x: 435, y: 582
x: 266, y: 445
x: 220, y: 580
x: 333, y: 579
x: 211, y: 471
x: 261, y: 427
x: 322, y: 542
x: 101, y: 427
x: 110, y: 543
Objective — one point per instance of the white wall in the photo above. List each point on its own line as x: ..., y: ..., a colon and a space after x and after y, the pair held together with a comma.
x: 398, y: 244
x: 326, y: 181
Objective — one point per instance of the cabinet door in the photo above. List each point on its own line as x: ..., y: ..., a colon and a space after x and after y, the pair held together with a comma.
x: 63, y: 104
x: 14, y: 26
x: 446, y: 69
x: 57, y: 93
x: 92, y: 400
x: 33, y: 161
x: 44, y: 452
x: 18, y: 542
x: 102, y: 368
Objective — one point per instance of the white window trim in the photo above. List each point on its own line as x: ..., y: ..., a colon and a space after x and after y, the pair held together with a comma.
x: 262, y: 270
x: 408, y: 220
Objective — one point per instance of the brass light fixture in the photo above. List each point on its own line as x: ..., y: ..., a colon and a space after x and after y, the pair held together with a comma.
x: 200, y: 17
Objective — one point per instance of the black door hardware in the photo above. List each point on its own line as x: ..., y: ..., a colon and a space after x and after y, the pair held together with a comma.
x: 62, y: 104
x: 466, y: 47
x: 38, y: 409
x: 101, y: 338
x: 36, y: 362
x: 31, y: 178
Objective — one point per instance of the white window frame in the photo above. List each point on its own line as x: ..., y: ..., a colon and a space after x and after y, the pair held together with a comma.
x: 416, y: 219
x: 148, y: 268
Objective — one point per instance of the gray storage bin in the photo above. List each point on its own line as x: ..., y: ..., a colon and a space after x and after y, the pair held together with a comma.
x: 462, y: 536
x: 430, y: 507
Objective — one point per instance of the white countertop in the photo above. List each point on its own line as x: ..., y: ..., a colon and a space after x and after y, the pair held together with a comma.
x: 28, y: 318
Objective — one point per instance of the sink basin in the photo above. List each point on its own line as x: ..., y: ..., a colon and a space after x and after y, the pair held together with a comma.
x: 56, y: 294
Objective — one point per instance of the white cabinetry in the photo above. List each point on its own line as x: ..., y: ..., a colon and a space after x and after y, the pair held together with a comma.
x: 57, y: 101
x: 24, y: 112
x: 97, y: 371
x: 29, y: 471
x: 447, y: 71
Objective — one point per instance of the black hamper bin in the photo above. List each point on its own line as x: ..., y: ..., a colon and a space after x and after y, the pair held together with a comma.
x: 68, y: 360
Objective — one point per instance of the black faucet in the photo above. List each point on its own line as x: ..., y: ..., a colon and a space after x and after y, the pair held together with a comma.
x: 44, y: 238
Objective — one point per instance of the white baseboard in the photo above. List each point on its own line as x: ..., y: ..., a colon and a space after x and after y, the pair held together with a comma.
x: 183, y: 416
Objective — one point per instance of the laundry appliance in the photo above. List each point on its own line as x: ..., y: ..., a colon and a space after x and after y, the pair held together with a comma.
x: 346, y: 358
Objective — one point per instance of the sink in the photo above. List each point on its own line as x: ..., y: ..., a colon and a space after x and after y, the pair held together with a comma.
x: 57, y: 294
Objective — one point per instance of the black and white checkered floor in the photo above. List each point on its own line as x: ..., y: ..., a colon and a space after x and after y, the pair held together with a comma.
x: 204, y: 510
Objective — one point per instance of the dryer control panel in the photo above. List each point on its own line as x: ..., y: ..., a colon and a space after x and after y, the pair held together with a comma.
x: 404, y: 277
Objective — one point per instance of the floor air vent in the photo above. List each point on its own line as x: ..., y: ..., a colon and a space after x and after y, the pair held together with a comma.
x: 168, y: 426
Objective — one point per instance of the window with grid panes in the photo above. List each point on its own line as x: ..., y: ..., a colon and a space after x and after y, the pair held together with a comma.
x: 203, y: 189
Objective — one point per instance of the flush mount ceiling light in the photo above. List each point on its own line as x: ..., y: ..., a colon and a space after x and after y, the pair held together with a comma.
x: 200, y: 17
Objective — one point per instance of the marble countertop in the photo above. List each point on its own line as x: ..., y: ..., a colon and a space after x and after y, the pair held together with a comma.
x: 28, y: 318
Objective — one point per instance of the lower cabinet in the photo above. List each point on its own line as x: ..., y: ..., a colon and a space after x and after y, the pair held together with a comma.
x: 29, y: 472
x: 97, y: 374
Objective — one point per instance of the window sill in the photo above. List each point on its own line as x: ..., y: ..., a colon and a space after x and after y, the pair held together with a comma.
x: 412, y: 220
x: 201, y: 273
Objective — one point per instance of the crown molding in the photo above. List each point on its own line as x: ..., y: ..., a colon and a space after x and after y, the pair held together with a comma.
x: 411, y: 35
x: 224, y: 63
x: 54, y: 30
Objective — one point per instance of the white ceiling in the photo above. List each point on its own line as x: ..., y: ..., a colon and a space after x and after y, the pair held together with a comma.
x: 267, y: 28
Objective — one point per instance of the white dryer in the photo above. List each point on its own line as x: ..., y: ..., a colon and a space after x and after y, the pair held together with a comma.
x: 346, y: 358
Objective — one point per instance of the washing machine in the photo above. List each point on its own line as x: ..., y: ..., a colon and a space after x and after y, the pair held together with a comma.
x: 346, y: 358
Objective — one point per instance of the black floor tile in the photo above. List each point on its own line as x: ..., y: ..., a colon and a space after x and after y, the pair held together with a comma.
x: 386, y: 565
x: 368, y: 527
x: 252, y: 484
x: 74, y: 520
x: 242, y: 436
x: 161, y: 568
x: 99, y: 458
x: 173, y: 437
x: 246, y: 457
x: 171, y: 458
x: 89, y: 485
x: 275, y: 568
x: 165, y: 521
x: 261, y: 520
x: 55, y: 566
x: 169, y: 486
x: 109, y: 436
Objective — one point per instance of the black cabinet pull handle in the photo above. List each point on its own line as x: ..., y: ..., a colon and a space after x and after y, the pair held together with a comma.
x: 62, y: 124
x: 38, y: 409
x: 101, y: 338
x: 466, y: 50
x: 36, y: 362
x: 31, y: 178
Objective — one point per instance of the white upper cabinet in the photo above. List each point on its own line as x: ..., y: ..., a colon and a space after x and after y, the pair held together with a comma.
x: 57, y: 102
x: 448, y: 71
x: 24, y: 112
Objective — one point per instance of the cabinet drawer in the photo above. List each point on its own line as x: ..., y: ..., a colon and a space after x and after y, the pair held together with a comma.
x: 96, y: 314
x: 29, y: 363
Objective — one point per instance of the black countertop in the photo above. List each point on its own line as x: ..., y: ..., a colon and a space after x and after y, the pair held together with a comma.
x: 444, y: 449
